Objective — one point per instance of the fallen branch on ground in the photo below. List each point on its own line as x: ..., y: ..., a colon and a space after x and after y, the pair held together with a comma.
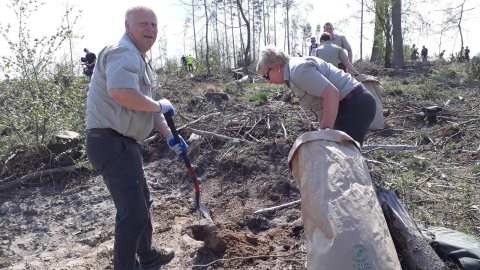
x: 223, y: 137
x: 390, y: 147
x: 278, y: 207
x: 248, y: 258
x: 34, y: 175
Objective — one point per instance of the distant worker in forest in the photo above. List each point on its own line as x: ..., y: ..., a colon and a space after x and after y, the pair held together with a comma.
x: 190, y: 61
x: 414, y: 55
x: 424, y: 53
x: 441, y: 55
x: 184, y: 62
x: 333, y: 54
x: 340, y: 41
x: 89, y: 60
x: 313, y: 47
x: 467, y: 54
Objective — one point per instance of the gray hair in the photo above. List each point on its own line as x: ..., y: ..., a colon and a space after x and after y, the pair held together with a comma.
x: 328, y: 24
x: 134, y: 9
x: 271, y: 56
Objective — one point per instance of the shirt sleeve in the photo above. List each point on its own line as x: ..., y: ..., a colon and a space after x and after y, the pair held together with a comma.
x: 122, y: 69
x: 345, y: 43
x: 342, y: 55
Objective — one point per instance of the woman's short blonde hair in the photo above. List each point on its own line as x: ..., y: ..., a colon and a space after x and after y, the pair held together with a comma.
x: 270, y: 57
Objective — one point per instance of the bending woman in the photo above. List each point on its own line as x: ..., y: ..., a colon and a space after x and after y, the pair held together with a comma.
x: 339, y: 101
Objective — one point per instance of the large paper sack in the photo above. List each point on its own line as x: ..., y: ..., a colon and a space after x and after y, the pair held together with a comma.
x: 373, y: 85
x: 344, y: 223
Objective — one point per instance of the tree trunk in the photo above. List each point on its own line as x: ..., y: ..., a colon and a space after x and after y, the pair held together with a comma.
x: 398, y: 60
x: 361, y: 34
x: 225, y: 42
x: 377, y: 41
x: 460, y: 27
x: 194, y: 32
x: 287, y: 19
x: 275, y: 22
x: 207, y: 47
x: 246, y: 60
x: 233, y: 37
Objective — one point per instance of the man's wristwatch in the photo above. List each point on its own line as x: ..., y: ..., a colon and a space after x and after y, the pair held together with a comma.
x: 355, y: 74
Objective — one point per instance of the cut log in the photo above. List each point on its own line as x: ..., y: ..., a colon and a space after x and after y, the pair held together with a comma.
x: 408, y: 240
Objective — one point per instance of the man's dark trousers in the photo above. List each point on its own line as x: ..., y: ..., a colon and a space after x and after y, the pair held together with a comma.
x: 118, y: 159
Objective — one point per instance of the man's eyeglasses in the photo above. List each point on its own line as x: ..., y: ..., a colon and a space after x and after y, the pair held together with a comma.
x: 266, y: 76
x: 313, y: 40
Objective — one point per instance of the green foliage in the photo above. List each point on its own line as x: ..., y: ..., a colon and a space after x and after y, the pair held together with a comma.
x: 473, y: 70
x: 468, y: 194
x: 259, y: 98
x: 41, y: 98
x: 476, y: 169
x: 171, y: 65
x: 394, y: 88
x: 199, y: 67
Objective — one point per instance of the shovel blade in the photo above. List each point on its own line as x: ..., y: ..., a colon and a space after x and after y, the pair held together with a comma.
x: 206, y: 213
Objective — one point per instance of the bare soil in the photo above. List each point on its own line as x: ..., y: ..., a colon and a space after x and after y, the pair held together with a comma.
x: 66, y: 220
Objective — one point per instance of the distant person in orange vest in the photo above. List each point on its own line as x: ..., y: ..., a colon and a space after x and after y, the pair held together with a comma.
x: 340, y: 41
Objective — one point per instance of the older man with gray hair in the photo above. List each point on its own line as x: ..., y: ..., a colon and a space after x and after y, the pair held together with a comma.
x: 122, y: 109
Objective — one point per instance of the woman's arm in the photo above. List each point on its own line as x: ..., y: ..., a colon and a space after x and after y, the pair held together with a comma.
x: 331, y: 99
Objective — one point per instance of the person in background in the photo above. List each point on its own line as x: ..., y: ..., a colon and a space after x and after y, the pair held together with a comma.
x: 441, y: 55
x: 190, y: 61
x: 122, y: 110
x: 338, y: 100
x: 184, y: 61
x: 467, y: 54
x: 313, y: 47
x: 424, y: 53
x: 414, y: 55
x: 91, y: 59
x: 340, y: 41
x: 333, y: 54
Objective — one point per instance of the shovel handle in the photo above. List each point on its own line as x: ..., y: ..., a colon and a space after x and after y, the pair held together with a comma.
x: 191, y: 173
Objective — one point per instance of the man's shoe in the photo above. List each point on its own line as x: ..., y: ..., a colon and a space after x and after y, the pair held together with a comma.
x: 163, y: 255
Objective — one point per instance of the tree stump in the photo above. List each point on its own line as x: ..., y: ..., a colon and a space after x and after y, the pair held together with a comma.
x: 64, y: 146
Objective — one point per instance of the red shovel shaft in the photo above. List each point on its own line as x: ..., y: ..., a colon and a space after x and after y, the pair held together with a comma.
x: 191, y: 173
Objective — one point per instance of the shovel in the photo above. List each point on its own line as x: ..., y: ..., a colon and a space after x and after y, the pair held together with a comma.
x: 200, y: 207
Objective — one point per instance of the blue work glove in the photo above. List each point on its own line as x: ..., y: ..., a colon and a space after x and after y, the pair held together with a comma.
x: 166, y: 106
x: 178, y: 148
